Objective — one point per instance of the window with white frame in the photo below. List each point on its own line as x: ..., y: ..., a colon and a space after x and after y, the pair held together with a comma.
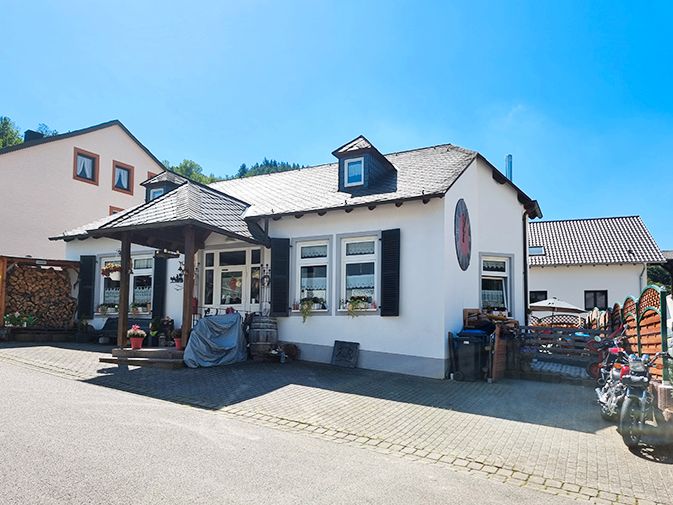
x: 312, y: 273
x: 231, y: 278
x: 495, y: 283
x: 359, y: 259
x: 140, y: 286
x: 354, y: 174
x: 156, y: 193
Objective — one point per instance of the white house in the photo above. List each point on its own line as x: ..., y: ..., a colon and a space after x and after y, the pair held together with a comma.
x: 49, y: 183
x: 590, y: 262
x: 413, y: 237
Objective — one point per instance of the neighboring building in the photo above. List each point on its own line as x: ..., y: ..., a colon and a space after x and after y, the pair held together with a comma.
x: 49, y: 183
x: 590, y: 262
x: 417, y: 236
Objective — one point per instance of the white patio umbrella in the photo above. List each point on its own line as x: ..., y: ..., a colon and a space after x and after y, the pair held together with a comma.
x: 555, y: 305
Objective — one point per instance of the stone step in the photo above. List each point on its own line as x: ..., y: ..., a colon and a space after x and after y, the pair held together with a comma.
x: 150, y: 352
x: 151, y: 362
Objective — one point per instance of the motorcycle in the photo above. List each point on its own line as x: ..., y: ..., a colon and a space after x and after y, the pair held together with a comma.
x: 638, y: 404
x: 611, y: 391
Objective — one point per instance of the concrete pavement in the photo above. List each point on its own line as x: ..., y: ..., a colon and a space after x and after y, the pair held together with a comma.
x: 68, y: 442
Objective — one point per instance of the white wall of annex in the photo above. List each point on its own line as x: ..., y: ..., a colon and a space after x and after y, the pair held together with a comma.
x: 105, y: 248
x: 40, y: 198
x: 568, y: 283
x: 497, y: 229
x: 419, y: 329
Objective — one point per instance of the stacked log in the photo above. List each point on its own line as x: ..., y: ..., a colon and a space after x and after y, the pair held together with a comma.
x: 41, y: 292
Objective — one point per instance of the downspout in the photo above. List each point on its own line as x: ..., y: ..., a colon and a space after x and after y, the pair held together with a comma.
x: 524, y: 221
x: 640, y: 279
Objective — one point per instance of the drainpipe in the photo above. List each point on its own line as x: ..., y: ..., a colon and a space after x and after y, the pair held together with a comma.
x: 524, y: 221
x: 640, y: 279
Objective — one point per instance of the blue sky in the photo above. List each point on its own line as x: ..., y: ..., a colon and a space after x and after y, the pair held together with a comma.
x: 580, y: 93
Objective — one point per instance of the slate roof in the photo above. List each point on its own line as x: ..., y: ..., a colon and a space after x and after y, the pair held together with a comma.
x: 356, y: 144
x: 599, y: 241
x: 89, y: 129
x: 190, y: 202
x: 166, y: 176
x: 419, y: 173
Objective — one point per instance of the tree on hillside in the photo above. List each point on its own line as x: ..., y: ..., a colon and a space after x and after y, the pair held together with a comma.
x: 192, y: 170
x: 45, y: 130
x: 268, y: 166
x: 9, y: 133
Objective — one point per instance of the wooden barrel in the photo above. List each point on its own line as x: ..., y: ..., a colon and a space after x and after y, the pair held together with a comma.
x: 263, y: 335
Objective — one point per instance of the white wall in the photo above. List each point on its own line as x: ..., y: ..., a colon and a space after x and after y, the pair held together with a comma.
x: 105, y: 248
x: 496, y: 219
x: 40, y: 198
x: 569, y: 283
x: 419, y: 329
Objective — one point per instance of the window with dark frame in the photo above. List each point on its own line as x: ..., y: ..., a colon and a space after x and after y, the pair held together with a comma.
x: 596, y: 299
x: 122, y: 177
x: 85, y: 166
x: 537, y: 296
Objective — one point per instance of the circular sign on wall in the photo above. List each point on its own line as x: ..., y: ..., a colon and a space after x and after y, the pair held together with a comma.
x: 463, y: 234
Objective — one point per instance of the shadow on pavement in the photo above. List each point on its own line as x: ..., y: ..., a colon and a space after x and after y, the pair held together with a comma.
x: 562, y: 406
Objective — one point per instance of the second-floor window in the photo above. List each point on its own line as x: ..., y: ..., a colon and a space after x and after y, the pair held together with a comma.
x: 85, y: 166
x: 122, y: 177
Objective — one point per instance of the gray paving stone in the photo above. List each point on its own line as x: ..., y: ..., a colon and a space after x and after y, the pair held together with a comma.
x: 460, y: 425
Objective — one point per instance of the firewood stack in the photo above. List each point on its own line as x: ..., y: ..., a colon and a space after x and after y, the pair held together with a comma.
x: 42, y: 292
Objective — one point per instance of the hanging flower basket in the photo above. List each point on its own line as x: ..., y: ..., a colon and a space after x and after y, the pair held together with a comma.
x: 112, y: 271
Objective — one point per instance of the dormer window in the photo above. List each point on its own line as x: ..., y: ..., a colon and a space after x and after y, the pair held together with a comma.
x: 156, y: 193
x: 354, y: 173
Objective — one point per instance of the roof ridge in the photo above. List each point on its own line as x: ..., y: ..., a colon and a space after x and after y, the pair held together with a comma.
x: 584, y: 219
x: 463, y: 149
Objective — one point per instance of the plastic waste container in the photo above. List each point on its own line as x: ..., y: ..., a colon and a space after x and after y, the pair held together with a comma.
x: 468, y: 348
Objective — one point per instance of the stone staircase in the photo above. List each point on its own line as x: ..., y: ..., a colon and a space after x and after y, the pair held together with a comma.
x: 160, y: 357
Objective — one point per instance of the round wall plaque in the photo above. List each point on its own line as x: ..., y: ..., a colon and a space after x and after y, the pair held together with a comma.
x: 463, y: 234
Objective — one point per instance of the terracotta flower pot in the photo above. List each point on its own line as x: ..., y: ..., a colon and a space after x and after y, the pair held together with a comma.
x: 136, y: 342
x: 178, y: 343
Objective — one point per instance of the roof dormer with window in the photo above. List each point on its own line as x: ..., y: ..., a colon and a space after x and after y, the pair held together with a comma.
x: 362, y: 168
x: 161, y: 184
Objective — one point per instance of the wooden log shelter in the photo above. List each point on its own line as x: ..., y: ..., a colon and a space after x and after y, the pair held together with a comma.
x: 41, y: 288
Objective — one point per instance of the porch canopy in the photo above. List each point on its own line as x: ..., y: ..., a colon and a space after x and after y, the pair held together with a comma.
x: 178, y: 221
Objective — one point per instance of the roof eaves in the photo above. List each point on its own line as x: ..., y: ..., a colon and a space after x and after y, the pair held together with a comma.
x: 82, y: 131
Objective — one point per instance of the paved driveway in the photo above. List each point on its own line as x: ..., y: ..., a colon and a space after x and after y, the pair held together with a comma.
x: 544, y: 436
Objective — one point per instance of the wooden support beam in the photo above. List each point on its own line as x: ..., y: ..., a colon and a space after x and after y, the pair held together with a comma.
x: 188, y: 284
x: 124, y: 288
x: 3, y: 288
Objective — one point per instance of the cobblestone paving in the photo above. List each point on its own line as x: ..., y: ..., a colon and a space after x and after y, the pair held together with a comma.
x: 545, y: 436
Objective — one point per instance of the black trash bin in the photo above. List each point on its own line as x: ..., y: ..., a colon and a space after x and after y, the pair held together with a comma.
x: 468, y: 348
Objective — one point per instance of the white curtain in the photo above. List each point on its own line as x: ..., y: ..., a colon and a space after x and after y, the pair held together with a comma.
x: 85, y: 167
x: 122, y: 178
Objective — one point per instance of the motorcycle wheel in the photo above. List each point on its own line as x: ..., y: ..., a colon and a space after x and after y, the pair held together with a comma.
x: 629, y: 422
x: 607, y: 415
x: 594, y: 370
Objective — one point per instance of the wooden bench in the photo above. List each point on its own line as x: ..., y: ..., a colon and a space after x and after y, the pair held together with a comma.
x: 109, y: 329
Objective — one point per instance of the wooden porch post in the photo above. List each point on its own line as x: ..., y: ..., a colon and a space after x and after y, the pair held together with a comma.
x: 3, y: 284
x: 124, y: 291
x: 188, y: 286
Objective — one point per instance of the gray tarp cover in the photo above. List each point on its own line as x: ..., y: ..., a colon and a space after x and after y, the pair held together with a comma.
x: 216, y: 340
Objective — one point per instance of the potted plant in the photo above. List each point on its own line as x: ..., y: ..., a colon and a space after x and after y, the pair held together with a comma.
x: 309, y: 304
x: 112, y: 271
x: 177, y: 338
x: 135, y: 308
x: 136, y: 335
x: 13, y: 319
x: 356, y: 304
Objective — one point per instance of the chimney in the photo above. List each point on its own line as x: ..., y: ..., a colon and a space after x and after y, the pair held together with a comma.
x: 508, y: 166
x: 29, y: 135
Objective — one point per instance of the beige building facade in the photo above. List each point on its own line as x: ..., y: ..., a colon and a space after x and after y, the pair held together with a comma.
x: 47, y: 184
